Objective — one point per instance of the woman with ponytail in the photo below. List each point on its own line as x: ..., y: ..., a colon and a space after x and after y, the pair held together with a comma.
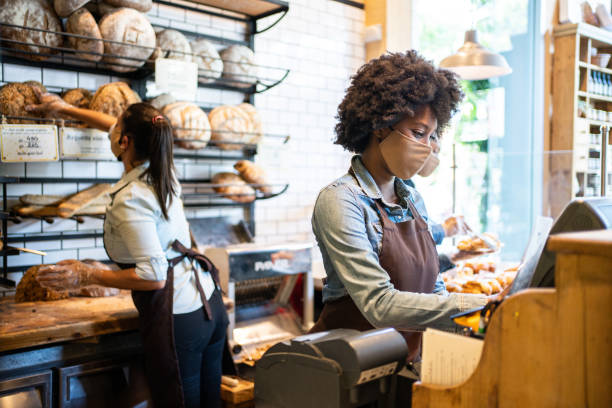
x: 175, y: 289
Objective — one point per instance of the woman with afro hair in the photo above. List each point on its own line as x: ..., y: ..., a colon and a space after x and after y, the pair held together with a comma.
x: 372, y: 228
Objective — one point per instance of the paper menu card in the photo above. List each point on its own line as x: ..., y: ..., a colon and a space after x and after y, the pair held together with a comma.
x: 448, y: 359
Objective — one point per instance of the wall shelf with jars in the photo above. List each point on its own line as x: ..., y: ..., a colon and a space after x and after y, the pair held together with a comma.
x: 581, y: 115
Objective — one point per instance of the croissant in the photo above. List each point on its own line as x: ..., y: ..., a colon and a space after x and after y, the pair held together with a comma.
x: 254, y: 174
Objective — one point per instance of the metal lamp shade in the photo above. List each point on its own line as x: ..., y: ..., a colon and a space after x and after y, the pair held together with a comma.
x: 473, y: 61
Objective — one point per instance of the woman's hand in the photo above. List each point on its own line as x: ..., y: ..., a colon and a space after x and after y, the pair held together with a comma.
x: 66, y: 275
x: 49, y: 103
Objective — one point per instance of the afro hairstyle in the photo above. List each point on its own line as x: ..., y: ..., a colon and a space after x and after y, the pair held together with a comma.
x: 388, y: 88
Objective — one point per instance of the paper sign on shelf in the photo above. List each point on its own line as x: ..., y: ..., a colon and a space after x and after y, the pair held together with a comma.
x: 85, y: 144
x: 29, y: 143
x: 179, y: 78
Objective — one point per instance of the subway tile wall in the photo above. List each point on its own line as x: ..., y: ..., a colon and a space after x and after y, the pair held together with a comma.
x: 320, y: 42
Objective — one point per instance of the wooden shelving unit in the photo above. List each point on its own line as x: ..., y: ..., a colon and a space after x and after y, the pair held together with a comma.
x: 578, y: 166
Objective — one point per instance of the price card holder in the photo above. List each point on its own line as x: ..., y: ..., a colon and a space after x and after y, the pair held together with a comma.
x: 85, y: 144
x: 28, y: 143
x: 179, y: 78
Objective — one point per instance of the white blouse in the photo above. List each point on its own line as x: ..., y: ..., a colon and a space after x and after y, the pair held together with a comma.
x: 136, y: 232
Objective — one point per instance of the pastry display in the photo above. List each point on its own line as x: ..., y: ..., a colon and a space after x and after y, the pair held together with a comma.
x: 140, y: 5
x: 35, y: 14
x: 239, y: 65
x: 82, y: 22
x: 210, y: 65
x: 230, y: 124
x: 113, y: 98
x: 172, y: 44
x: 190, y: 124
x: 232, y: 186
x: 252, y: 173
x: 129, y: 35
x: 15, y: 96
x: 64, y: 8
x: 478, y: 278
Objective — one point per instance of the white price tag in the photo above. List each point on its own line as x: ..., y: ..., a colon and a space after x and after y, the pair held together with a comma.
x: 29, y: 143
x: 178, y: 78
x: 85, y: 144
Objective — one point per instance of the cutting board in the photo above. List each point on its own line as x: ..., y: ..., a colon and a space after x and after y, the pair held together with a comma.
x: 30, y: 324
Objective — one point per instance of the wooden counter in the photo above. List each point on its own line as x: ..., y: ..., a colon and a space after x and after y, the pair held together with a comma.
x: 546, y: 347
x: 37, y: 323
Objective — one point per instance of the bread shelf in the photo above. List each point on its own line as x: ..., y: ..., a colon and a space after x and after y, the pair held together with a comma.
x: 63, y: 58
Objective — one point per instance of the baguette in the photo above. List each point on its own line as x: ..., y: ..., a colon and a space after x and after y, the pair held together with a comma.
x: 82, y: 199
x: 42, y: 200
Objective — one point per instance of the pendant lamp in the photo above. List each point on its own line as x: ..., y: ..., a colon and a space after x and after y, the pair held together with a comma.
x: 473, y: 61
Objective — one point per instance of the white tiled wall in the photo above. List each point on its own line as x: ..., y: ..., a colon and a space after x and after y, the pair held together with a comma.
x: 320, y: 41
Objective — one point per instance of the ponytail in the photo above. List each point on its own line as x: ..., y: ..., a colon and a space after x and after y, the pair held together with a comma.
x: 151, y: 133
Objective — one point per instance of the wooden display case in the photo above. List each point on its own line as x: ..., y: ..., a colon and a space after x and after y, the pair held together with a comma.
x: 581, y: 116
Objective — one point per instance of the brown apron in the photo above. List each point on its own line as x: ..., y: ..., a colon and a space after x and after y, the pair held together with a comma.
x: 157, y: 330
x: 408, y: 254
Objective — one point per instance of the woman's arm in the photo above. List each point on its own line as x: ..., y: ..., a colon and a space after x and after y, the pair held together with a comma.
x: 53, y: 104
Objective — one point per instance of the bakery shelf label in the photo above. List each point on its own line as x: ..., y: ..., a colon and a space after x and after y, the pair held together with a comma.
x: 179, y: 78
x: 85, y: 144
x: 29, y: 143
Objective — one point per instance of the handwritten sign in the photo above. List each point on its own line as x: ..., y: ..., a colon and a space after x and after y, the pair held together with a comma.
x: 29, y: 143
x: 85, y: 144
x: 178, y: 78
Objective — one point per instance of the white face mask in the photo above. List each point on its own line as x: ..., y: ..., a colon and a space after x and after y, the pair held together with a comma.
x: 115, y: 148
x: 404, y: 155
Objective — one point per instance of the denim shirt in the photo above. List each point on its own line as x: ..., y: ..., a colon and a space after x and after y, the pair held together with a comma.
x: 348, y: 230
x: 136, y: 232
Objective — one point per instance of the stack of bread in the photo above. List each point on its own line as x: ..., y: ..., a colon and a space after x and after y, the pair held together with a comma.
x: 478, y: 277
x: 241, y: 187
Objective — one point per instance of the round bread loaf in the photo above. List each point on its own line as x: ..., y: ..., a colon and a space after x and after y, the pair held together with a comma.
x: 113, y: 98
x: 35, y: 14
x: 82, y: 22
x: 172, y: 44
x: 256, y: 124
x: 14, y: 97
x: 231, y: 186
x: 134, y: 32
x: 253, y: 173
x: 29, y: 290
x: 140, y: 5
x: 239, y: 65
x: 79, y: 97
x: 190, y: 124
x: 64, y: 8
x: 230, y: 124
x: 210, y: 65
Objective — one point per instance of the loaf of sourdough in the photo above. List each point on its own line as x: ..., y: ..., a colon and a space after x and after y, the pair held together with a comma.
x: 113, y: 98
x: 231, y: 186
x: 253, y: 173
x: 15, y: 96
x: 135, y: 37
x: 230, y: 124
x: 210, y: 65
x: 82, y: 22
x: 140, y: 5
x: 34, y: 14
x: 79, y: 97
x: 64, y: 8
x: 172, y: 44
x: 255, y: 122
x: 190, y: 124
x: 29, y: 290
x: 239, y: 65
